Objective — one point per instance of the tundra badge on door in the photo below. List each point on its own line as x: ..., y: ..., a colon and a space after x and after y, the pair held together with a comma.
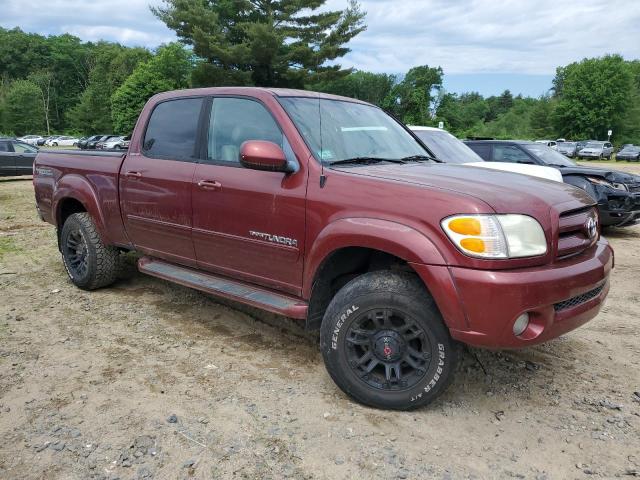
x: 292, y: 242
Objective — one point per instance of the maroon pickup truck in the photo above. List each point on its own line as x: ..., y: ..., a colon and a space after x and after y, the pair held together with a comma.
x: 327, y: 210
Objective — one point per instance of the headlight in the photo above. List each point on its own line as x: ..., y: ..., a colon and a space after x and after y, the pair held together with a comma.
x: 496, y: 236
x: 614, y: 185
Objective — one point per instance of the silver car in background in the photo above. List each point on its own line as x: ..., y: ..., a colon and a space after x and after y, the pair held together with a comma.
x: 568, y: 149
x: 596, y: 150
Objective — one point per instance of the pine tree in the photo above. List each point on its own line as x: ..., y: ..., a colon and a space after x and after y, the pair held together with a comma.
x: 279, y: 43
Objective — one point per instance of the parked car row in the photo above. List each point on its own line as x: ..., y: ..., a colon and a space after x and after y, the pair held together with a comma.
x: 586, y: 149
x: 109, y: 142
x: 95, y: 141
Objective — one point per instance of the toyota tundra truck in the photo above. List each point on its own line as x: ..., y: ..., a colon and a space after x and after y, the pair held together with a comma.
x: 328, y: 210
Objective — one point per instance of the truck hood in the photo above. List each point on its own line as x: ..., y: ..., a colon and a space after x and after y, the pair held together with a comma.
x: 606, y: 173
x: 505, y: 192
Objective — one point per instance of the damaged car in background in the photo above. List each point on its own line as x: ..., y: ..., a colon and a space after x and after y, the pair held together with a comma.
x: 617, y: 193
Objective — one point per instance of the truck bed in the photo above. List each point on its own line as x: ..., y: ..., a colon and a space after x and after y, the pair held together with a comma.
x: 92, y: 176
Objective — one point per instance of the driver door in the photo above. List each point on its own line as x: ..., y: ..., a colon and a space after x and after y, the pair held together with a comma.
x: 248, y: 224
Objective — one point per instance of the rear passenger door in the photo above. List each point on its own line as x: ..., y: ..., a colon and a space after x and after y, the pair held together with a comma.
x: 248, y: 224
x: 7, y: 159
x: 155, y: 184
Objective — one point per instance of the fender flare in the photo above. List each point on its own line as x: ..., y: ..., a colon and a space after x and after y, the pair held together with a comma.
x: 78, y: 188
x: 387, y: 236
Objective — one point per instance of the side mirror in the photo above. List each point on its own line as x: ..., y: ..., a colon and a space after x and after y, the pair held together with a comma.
x: 263, y: 155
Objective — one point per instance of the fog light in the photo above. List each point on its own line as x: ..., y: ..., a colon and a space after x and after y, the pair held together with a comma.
x: 521, y: 324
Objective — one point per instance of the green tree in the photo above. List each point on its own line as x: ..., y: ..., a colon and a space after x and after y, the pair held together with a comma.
x: 515, y: 123
x: 410, y: 99
x: 462, y: 112
x: 44, y: 80
x: 595, y: 96
x: 499, y: 105
x: 169, y: 69
x: 283, y: 43
x: 366, y: 86
x: 111, y: 64
x: 541, y: 118
x: 23, y: 112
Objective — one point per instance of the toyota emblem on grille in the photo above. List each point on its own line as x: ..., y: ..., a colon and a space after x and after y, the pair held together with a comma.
x: 592, y: 227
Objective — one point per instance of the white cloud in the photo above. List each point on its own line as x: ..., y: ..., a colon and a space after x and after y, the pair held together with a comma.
x: 481, y: 36
x: 126, y: 21
x: 462, y: 36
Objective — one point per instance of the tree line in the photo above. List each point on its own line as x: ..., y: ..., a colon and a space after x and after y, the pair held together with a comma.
x: 61, y: 84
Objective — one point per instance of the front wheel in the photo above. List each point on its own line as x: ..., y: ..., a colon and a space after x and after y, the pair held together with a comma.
x: 89, y: 262
x: 54, y: 144
x: 385, y: 344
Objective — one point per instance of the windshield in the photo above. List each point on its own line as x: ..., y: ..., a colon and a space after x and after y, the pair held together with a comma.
x: 594, y: 145
x: 338, y: 130
x: 447, y: 147
x: 548, y: 155
x: 566, y: 145
x: 630, y: 149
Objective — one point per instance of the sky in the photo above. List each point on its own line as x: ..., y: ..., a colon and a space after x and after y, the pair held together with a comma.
x: 482, y: 45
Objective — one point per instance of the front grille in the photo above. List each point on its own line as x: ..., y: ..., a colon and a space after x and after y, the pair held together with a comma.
x: 578, y: 300
x: 634, y: 187
x: 573, y: 235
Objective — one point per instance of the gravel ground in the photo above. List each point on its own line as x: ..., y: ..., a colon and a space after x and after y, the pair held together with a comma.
x: 151, y: 380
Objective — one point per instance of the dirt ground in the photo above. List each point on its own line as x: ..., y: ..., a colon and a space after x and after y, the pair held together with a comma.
x: 150, y: 380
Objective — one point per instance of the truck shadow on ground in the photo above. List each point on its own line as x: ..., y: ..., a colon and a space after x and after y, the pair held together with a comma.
x: 514, y: 374
x: 624, y: 233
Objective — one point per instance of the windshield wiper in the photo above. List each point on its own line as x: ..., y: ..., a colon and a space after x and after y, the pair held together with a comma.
x: 421, y: 158
x: 366, y: 160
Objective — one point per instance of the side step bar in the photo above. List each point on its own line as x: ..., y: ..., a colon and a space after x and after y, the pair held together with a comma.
x: 223, y: 287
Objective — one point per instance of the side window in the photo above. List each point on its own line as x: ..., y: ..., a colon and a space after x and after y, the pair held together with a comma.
x: 5, y: 147
x: 510, y: 154
x: 234, y: 121
x: 173, y: 129
x: 23, y: 148
x: 483, y: 150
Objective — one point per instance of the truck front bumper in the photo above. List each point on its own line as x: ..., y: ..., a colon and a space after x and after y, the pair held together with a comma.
x: 480, y: 307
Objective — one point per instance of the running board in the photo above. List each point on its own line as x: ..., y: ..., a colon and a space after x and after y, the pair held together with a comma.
x: 223, y: 287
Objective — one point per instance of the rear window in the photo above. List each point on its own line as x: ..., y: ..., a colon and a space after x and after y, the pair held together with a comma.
x: 172, y: 129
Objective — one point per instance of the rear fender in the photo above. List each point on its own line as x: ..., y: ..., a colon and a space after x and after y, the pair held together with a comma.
x: 78, y: 188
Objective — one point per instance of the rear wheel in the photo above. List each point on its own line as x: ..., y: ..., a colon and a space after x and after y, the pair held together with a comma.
x: 385, y: 344
x: 89, y: 262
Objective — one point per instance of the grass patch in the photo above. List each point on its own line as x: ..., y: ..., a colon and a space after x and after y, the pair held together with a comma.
x: 7, y: 245
x: 607, y: 162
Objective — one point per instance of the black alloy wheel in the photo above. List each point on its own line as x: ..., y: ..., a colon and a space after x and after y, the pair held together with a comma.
x: 388, y: 350
x: 385, y: 343
x: 76, y: 253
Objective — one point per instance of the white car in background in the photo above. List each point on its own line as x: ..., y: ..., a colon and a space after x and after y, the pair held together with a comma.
x: 449, y: 149
x: 549, y: 143
x: 30, y: 139
x: 62, y: 141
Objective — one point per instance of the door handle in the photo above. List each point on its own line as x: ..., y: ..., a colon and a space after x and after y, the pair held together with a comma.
x: 132, y: 174
x: 209, y: 185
